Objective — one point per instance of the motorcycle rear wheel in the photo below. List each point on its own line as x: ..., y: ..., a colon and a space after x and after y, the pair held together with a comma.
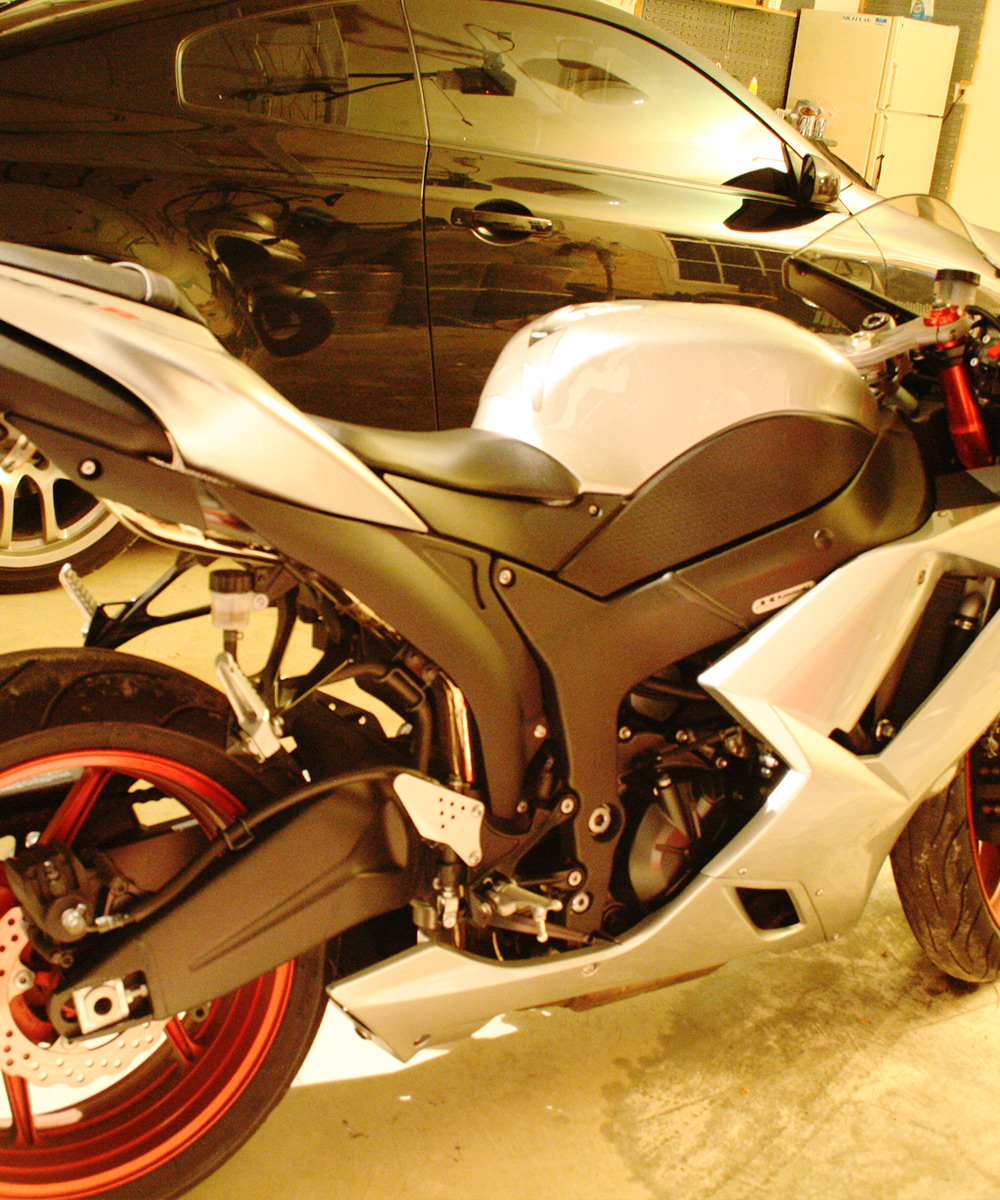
x: 948, y: 880
x: 148, y: 1120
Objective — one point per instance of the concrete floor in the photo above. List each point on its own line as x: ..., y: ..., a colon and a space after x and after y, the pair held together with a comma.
x: 833, y: 1073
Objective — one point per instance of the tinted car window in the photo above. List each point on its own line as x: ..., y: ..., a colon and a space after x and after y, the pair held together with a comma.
x: 343, y: 64
x: 528, y: 80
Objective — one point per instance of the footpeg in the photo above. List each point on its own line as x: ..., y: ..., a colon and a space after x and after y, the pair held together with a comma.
x: 251, y: 712
x: 509, y: 898
x: 79, y: 593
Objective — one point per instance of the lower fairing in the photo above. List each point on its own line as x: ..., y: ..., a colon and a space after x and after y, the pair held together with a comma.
x: 826, y: 827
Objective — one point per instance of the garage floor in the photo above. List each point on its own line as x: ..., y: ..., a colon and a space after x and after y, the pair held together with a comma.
x: 832, y: 1073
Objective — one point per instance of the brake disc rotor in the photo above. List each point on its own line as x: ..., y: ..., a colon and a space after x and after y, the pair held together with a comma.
x: 71, y: 1064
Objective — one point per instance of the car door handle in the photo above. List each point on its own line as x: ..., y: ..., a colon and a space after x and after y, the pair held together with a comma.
x: 493, y: 226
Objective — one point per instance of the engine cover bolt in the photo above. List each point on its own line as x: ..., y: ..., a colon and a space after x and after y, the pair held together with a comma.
x: 567, y: 805
x: 600, y: 820
x: 574, y: 878
x: 89, y: 468
x: 624, y: 734
x: 580, y: 902
x: 505, y: 576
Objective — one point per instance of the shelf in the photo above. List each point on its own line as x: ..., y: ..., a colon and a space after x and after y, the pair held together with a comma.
x: 772, y: 7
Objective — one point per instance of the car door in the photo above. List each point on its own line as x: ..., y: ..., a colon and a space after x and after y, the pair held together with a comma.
x: 269, y: 157
x: 328, y: 266
x: 571, y: 160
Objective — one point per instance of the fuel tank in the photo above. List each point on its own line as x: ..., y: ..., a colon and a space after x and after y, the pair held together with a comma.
x: 618, y: 391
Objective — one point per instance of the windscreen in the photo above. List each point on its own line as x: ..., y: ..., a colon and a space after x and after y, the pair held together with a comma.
x: 889, y: 254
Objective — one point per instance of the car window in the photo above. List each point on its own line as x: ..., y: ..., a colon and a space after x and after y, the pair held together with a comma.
x: 345, y: 64
x: 538, y: 81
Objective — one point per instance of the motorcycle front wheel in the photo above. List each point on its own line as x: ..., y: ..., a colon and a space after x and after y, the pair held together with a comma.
x: 149, y: 1111
x: 946, y: 865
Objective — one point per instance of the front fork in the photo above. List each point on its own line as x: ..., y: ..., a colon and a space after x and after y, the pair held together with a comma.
x: 953, y: 291
x: 965, y: 417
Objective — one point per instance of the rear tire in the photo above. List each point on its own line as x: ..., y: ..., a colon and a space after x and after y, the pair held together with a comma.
x: 949, y: 881
x: 87, y: 740
x: 40, y: 689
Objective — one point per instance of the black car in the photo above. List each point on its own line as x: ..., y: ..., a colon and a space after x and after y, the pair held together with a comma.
x: 365, y: 198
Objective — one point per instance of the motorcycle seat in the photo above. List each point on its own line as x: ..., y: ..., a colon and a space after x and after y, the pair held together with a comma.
x: 467, y: 460
x: 128, y: 280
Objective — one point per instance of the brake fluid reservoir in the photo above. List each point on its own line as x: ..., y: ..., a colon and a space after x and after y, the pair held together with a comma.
x: 232, y: 596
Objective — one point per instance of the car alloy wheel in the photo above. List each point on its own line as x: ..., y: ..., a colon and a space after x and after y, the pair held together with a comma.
x: 46, y: 520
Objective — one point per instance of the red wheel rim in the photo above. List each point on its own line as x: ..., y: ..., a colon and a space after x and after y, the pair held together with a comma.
x: 203, y: 1065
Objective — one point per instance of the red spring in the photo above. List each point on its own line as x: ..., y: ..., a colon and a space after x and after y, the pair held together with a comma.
x: 964, y: 418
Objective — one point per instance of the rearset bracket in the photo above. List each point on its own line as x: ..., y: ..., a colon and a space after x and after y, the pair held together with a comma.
x: 111, y: 625
x: 443, y: 816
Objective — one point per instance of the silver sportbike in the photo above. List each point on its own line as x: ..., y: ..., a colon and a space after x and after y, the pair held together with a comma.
x: 656, y: 663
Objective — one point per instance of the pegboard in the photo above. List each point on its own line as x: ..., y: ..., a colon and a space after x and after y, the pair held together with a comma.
x: 745, y: 42
x: 703, y: 25
x: 749, y: 43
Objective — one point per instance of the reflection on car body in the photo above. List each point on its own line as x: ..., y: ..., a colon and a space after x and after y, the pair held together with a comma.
x: 364, y: 198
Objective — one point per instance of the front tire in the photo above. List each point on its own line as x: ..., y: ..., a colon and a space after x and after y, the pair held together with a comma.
x: 126, y: 759
x: 948, y: 878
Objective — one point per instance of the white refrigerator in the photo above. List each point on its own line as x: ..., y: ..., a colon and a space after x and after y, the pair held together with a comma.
x: 883, y: 84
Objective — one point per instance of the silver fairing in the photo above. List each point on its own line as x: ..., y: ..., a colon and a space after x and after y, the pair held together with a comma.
x: 825, y: 829
x: 617, y: 391
x: 221, y: 416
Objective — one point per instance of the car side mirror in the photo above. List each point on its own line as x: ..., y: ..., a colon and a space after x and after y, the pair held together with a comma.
x: 819, y: 182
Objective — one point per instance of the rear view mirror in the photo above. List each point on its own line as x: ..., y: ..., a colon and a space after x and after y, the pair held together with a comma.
x: 819, y: 182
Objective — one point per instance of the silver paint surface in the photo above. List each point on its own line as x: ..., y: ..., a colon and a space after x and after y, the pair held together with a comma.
x: 223, y: 418
x: 823, y: 832
x: 617, y: 391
